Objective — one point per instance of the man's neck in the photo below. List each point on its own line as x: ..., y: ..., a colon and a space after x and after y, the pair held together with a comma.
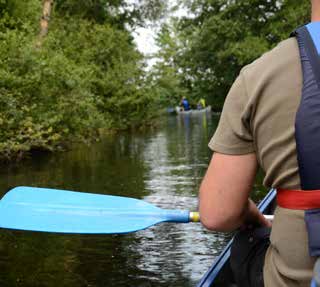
x: 315, y: 14
x: 315, y: 17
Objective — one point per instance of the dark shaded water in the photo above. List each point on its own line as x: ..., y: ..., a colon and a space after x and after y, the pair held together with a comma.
x: 163, y: 167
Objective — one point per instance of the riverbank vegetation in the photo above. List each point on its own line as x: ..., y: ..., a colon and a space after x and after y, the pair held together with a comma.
x: 201, y: 55
x: 70, y: 68
x: 73, y: 75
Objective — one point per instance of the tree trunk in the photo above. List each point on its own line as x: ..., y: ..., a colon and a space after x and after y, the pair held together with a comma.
x: 44, y: 23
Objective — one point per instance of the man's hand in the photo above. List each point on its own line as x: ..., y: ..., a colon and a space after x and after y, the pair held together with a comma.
x: 255, y: 217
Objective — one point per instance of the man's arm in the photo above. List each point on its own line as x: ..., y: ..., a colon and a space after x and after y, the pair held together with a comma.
x: 224, y: 193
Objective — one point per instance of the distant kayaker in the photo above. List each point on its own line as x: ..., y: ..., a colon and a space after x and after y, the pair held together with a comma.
x: 270, y: 120
x: 184, y: 104
x: 201, y: 104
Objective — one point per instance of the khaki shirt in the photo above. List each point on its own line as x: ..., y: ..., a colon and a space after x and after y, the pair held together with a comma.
x: 259, y: 116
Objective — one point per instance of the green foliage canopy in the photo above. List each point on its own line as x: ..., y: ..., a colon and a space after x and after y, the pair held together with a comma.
x: 86, y: 77
x: 222, y: 36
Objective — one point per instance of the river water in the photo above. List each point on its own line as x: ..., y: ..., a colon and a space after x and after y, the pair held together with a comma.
x: 164, y: 167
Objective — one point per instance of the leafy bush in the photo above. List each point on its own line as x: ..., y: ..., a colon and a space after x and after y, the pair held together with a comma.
x: 84, y: 77
x: 45, y: 98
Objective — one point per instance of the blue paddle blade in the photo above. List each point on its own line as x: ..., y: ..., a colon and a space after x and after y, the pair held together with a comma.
x: 52, y: 210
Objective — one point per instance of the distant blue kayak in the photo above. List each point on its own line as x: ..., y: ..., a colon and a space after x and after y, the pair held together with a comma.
x: 220, y: 274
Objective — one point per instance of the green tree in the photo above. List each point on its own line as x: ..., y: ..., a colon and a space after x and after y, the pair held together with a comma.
x: 223, y: 36
x: 116, y: 12
x: 87, y: 77
x: 167, y: 76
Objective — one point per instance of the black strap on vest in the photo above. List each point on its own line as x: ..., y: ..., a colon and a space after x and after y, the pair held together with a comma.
x: 307, y: 126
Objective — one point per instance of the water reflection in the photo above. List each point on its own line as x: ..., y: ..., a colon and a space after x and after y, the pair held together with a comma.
x: 176, y: 166
x: 163, y: 167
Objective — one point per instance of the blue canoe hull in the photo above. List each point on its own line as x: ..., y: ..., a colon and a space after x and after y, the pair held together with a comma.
x: 220, y: 273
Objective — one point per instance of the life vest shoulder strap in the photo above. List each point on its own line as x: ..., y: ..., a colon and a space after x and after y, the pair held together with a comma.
x: 307, y: 124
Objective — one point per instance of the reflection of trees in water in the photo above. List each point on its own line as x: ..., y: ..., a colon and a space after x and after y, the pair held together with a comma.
x: 177, y: 158
x: 178, y: 253
x: 163, y: 166
x: 38, y: 259
x: 113, y: 166
x: 178, y: 155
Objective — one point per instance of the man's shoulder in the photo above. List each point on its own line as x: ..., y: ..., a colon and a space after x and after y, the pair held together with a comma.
x: 286, y: 53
